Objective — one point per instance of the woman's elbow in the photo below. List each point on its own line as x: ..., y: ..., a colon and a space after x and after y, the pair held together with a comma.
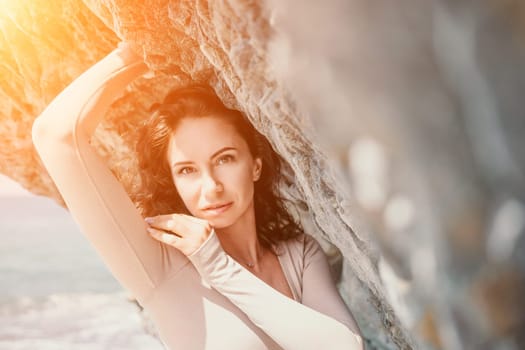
x: 355, y: 334
x: 354, y: 339
x: 345, y: 337
x: 44, y: 132
x: 359, y: 344
x: 39, y: 133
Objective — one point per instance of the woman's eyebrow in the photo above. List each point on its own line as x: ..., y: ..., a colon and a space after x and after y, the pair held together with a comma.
x: 182, y: 163
x: 222, y: 150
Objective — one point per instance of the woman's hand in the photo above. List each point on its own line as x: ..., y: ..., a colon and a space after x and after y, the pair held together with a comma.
x: 184, y: 232
x: 126, y: 52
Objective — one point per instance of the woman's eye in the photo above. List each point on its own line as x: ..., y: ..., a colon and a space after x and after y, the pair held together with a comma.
x: 185, y: 171
x: 225, y: 159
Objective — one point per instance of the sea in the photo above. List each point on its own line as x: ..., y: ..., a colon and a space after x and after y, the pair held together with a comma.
x: 55, y: 292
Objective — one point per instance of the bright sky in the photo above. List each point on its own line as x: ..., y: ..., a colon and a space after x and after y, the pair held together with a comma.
x: 10, y: 188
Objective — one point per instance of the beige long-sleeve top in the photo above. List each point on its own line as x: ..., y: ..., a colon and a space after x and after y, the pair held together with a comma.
x: 206, y: 300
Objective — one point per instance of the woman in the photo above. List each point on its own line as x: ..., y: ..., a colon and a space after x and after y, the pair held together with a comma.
x: 210, y: 277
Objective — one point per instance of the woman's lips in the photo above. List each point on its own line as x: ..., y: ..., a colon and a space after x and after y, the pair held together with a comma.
x: 218, y: 210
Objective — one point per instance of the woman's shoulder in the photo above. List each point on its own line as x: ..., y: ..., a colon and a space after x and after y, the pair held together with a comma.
x: 296, y: 255
x: 303, y: 246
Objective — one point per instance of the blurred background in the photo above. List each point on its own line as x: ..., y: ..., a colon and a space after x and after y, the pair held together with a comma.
x: 417, y: 104
x: 55, y: 292
x: 420, y: 106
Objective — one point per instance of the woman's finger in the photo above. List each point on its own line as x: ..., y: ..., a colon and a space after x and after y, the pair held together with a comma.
x: 166, y: 223
x: 163, y: 236
x: 180, y: 224
x: 186, y: 233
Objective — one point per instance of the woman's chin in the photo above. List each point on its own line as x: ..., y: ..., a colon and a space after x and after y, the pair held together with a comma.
x: 216, y: 222
x: 219, y: 223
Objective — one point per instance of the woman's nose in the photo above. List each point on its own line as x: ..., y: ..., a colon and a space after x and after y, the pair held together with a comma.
x: 211, y: 185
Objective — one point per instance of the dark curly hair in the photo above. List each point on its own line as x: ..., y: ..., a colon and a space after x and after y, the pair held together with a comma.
x: 158, y: 194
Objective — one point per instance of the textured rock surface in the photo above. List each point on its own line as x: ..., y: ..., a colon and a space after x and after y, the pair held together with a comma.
x: 410, y: 150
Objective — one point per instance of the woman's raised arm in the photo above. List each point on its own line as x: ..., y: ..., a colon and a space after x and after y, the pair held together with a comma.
x: 94, y: 197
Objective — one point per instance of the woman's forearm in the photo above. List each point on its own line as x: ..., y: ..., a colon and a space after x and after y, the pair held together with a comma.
x: 291, y: 324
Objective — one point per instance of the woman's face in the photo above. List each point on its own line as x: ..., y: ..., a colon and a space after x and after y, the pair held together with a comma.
x: 213, y: 170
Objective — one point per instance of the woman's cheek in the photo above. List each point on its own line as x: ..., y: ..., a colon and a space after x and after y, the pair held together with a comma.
x: 187, y: 192
x: 237, y: 172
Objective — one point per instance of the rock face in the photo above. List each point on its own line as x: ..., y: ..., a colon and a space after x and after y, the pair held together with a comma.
x: 426, y: 162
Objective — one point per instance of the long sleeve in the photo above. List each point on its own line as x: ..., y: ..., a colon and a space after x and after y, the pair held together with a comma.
x: 291, y: 324
x: 319, y: 291
x: 94, y: 197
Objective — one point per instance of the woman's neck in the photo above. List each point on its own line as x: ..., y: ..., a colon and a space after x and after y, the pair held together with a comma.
x: 240, y: 239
